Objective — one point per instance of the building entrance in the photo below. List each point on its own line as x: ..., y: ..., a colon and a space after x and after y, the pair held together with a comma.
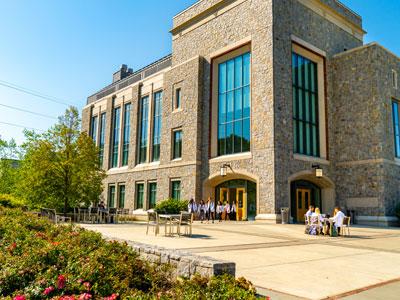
x: 242, y: 193
x: 304, y: 194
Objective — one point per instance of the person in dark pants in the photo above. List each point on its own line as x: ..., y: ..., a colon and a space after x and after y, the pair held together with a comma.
x: 202, y: 210
x: 227, y: 209
x: 210, y: 210
x: 232, y: 214
x: 220, y: 210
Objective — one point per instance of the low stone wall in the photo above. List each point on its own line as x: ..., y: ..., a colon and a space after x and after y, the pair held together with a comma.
x: 184, y: 263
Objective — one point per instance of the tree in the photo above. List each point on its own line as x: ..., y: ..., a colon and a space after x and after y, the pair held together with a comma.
x: 61, y: 168
x: 9, y: 154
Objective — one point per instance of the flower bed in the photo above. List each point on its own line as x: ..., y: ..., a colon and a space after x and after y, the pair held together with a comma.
x: 39, y: 260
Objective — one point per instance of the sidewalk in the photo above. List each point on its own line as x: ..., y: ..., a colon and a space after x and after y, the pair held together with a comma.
x: 281, y: 259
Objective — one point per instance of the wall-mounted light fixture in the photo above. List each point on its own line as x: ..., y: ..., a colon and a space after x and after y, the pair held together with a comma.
x: 224, y: 169
x: 318, y: 170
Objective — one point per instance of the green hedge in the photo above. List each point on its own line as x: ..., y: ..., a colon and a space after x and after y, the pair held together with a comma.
x: 39, y: 260
x: 172, y: 206
x: 10, y: 201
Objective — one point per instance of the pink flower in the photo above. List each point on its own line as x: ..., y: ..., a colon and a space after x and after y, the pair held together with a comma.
x: 61, y: 282
x: 85, y: 296
x: 80, y: 280
x: 19, y: 297
x: 48, y: 290
x: 87, y: 285
x: 67, y: 298
x: 112, y: 297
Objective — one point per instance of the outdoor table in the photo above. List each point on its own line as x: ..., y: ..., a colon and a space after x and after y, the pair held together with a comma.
x: 169, y: 218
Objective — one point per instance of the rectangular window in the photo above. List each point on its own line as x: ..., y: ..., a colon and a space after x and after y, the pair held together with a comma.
x: 93, y: 129
x: 305, y: 106
x: 156, y: 126
x: 396, y: 127
x: 234, y: 105
x: 139, y: 195
x: 111, y: 196
x: 394, y: 79
x: 102, y: 137
x: 178, y: 95
x: 127, y: 132
x: 177, y: 144
x: 143, y: 126
x: 176, y: 189
x: 121, y: 196
x: 116, y: 133
x: 152, y: 194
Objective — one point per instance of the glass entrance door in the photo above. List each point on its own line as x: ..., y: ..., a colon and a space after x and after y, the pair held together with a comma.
x: 302, y: 202
x: 241, y: 204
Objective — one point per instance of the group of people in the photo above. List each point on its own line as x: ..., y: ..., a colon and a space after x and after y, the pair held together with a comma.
x: 211, y: 210
x: 318, y: 220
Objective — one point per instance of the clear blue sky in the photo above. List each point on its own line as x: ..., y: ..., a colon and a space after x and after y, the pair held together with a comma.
x: 69, y: 49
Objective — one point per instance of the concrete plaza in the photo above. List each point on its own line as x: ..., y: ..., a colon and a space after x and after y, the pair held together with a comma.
x: 284, y: 263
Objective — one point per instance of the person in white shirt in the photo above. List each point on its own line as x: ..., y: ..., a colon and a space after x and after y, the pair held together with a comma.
x: 317, y: 220
x: 210, y: 210
x: 227, y: 209
x: 338, y: 218
x: 192, y: 206
x: 201, y: 208
x: 310, y: 211
x: 220, y: 210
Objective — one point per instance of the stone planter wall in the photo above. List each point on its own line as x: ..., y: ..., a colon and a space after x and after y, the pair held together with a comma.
x: 184, y: 263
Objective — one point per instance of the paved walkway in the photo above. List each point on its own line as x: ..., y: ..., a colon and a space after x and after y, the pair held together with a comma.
x: 285, y: 263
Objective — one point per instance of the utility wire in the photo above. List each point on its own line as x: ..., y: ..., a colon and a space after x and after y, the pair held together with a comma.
x: 21, y: 126
x: 28, y: 111
x: 34, y: 93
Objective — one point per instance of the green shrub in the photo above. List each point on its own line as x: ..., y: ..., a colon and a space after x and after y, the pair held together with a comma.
x: 40, y: 260
x: 10, y: 201
x: 172, y: 206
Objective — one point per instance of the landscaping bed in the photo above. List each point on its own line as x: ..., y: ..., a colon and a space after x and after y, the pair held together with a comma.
x: 39, y: 260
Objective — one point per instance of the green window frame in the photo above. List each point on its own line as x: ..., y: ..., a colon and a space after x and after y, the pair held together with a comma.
x: 121, y: 196
x: 157, y: 114
x: 139, y: 195
x: 305, y: 106
x: 234, y: 105
x: 152, y: 194
x: 102, y: 138
x: 127, y: 131
x: 93, y: 129
x: 177, y: 144
x: 143, y: 127
x: 116, y: 137
x: 111, y: 196
x: 176, y: 189
x: 396, y: 127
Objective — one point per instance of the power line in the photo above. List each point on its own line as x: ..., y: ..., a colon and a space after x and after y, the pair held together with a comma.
x: 28, y: 111
x: 21, y: 126
x: 34, y: 93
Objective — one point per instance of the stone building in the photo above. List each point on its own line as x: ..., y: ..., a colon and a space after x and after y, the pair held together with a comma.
x: 257, y: 98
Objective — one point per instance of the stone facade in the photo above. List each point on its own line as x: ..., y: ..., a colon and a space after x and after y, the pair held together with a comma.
x: 359, y: 169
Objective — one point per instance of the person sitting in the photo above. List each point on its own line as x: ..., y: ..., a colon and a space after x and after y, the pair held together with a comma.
x: 101, y: 205
x: 317, y: 220
x: 338, y: 218
x: 310, y: 211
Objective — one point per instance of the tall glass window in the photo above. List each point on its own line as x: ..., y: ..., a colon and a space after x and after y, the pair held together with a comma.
x: 234, y: 105
x: 177, y: 144
x: 115, y: 143
x: 121, y: 195
x: 111, y: 196
x: 127, y: 131
x: 152, y: 194
x: 396, y: 127
x: 305, y: 106
x: 157, y: 126
x: 139, y: 195
x: 143, y: 126
x: 102, y: 137
x: 176, y: 189
x: 93, y: 129
x: 177, y: 98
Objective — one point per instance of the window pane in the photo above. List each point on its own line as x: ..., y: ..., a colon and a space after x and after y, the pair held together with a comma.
x: 139, y: 195
x: 143, y: 125
x: 178, y: 98
x: 157, y: 126
x: 238, y: 136
x: 246, y: 69
x: 238, y: 104
x: 116, y: 138
x: 221, y: 139
x: 121, y: 202
x: 176, y: 190
x: 229, y: 138
x: 229, y: 100
x: 246, y: 102
x: 222, y: 78
x: 93, y: 129
x: 238, y: 71
x: 230, y: 66
x: 152, y: 195
x: 127, y: 128
x: 177, y: 144
x: 246, y: 135
x: 222, y: 108
x: 102, y: 137
x: 111, y: 196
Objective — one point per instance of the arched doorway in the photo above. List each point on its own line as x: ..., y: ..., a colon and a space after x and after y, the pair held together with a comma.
x: 241, y: 192
x: 306, y: 189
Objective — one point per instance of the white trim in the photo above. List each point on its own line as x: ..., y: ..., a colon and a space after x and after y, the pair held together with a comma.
x: 311, y: 159
x: 231, y: 157
x: 307, y: 45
